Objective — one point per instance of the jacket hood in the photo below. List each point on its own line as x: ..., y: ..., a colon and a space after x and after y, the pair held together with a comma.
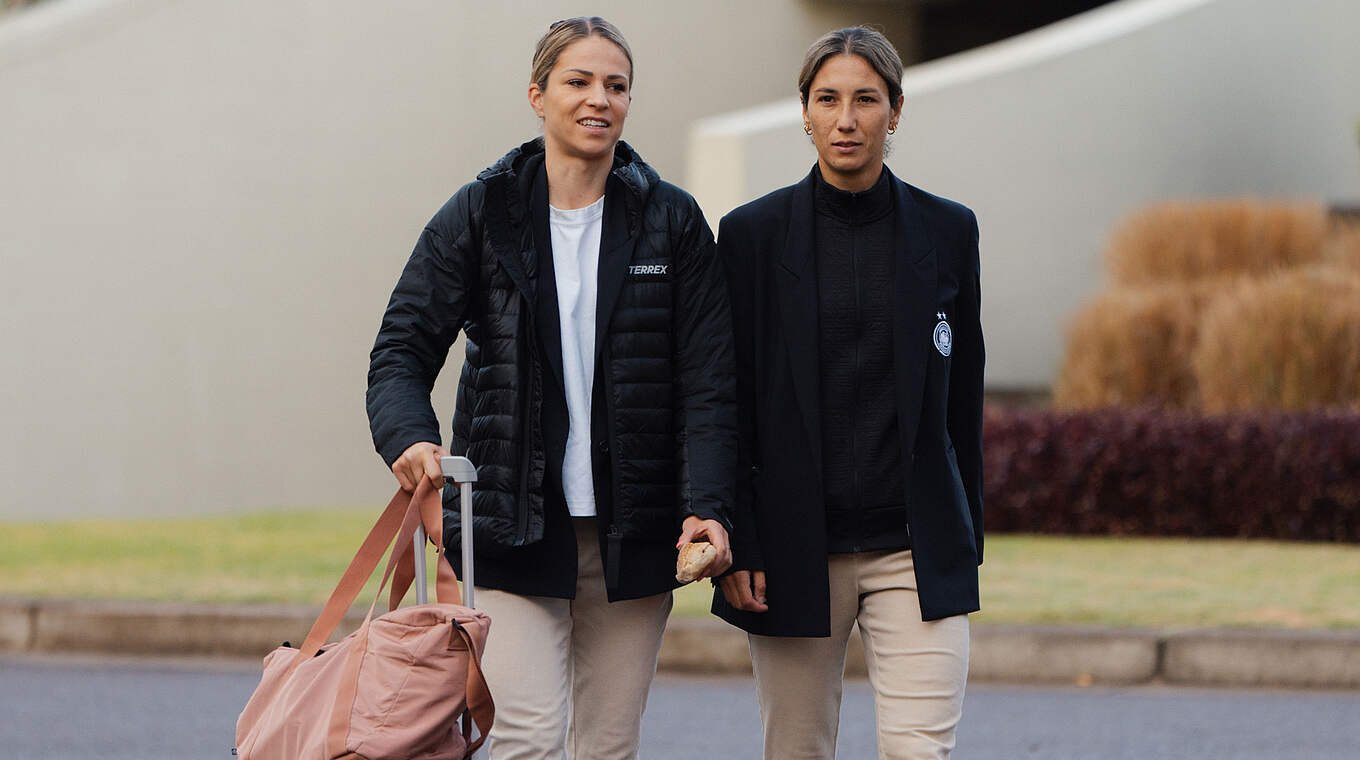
x: 636, y: 174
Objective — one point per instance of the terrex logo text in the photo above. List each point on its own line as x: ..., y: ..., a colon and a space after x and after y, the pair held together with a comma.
x: 636, y: 269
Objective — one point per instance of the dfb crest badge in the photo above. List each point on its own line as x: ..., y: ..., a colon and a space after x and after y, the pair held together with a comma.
x: 944, y: 337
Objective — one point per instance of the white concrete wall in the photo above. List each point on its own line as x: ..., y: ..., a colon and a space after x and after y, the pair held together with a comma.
x: 1055, y: 135
x: 204, y: 205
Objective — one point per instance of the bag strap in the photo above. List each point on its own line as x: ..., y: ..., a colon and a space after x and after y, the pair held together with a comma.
x: 400, y: 517
x: 480, y: 706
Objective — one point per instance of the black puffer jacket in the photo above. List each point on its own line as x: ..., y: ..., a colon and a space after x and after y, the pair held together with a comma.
x: 664, y: 356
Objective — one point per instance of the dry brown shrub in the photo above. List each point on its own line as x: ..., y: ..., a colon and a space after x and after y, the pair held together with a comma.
x: 1290, y: 341
x: 1343, y: 246
x: 1180, y: 241
x: 1132, y: 346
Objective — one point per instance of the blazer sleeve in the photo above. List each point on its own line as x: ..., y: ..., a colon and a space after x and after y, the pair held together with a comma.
x: 703, y: 326
x: 737, y: 254
x: 965, y: 379
x: 426, y: 310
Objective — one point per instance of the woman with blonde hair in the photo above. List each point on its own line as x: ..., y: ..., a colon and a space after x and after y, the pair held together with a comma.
x: 855, y: 302
x: 596, y: 398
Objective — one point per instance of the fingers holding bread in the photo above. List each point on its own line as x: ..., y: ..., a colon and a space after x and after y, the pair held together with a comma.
x: 709, y: 532
x: 694, y: 559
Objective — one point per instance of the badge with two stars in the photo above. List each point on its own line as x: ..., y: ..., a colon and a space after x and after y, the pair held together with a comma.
x: 944, y: 337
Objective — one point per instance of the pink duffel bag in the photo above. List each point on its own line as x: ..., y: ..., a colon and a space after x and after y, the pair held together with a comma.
x: 405, y: 686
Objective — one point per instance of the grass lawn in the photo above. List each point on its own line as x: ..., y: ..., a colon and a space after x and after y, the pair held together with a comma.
x: 298, y: 556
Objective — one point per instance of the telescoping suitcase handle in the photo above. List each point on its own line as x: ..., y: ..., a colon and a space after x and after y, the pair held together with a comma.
x: 460, y: 471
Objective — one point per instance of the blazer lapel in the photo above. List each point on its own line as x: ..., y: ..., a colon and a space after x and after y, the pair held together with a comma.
x: 915, y: 281
x: 616, y: 250
x: 797, y: 284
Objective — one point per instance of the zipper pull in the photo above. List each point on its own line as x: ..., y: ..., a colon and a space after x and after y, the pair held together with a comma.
x: 613, y: 550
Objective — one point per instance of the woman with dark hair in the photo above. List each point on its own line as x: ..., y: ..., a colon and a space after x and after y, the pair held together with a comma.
x: 859, y: 351
x: 596, y: 399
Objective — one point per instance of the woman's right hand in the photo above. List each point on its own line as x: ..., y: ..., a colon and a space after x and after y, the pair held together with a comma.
x: 745, y: 590
x: 421, y: 460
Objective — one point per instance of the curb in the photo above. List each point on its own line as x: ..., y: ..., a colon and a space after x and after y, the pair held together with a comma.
x: 1296, y: 659
x: 1026, y: 654
x: 154, y: 628
x: 1082, y: 655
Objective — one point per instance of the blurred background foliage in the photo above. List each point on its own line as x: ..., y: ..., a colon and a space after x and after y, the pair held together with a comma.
x: 1211, y: 389
x: 1218, y: 306
x: 7, y: 4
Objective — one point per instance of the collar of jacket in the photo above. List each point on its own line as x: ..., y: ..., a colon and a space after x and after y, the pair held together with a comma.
x: 513, y: 176
x: 509, y: 184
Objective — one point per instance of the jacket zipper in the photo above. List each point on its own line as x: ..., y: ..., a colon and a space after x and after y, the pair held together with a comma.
x: 857, y: 505
x: 614, y: 537
x: 526, y: 430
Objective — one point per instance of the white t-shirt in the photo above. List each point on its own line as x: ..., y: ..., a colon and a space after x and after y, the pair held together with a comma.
x: 576, y: 262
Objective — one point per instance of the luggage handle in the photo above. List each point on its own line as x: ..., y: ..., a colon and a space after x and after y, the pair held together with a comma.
x: 461, y: 472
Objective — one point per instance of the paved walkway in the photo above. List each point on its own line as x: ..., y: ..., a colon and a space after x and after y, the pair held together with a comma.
x: 114, y: 708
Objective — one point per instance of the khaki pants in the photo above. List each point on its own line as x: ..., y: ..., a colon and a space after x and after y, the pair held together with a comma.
x: 917, y: 669
x: 570, y: 676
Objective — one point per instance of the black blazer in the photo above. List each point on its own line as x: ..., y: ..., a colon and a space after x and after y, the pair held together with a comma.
x: 779, y: 523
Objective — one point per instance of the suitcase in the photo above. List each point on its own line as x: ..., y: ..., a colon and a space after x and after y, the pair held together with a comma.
x: 400, y: 685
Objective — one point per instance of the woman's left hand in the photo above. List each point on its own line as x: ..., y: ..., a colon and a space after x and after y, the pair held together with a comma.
x: 716, y: 534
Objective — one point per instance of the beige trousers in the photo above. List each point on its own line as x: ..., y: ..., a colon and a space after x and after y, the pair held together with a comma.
x: 917, y: 669
x: 570, y: 676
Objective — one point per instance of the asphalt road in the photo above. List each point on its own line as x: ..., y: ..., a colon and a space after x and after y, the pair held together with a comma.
x: 151, y: 710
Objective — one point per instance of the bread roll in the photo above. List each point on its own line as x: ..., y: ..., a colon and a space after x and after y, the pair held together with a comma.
x: 693, y: 560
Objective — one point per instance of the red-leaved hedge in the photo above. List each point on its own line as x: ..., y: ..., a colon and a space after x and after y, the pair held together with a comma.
x: 1282, y: 475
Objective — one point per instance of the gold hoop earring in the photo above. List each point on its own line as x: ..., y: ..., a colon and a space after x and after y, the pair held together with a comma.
x: 892, y: 130
x: 807, y: 129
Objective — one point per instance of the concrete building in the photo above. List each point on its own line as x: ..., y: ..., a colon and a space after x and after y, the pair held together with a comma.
x: 204, y: 204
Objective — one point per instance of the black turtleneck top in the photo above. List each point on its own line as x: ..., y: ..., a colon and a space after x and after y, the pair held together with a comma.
x: 861, y: 450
